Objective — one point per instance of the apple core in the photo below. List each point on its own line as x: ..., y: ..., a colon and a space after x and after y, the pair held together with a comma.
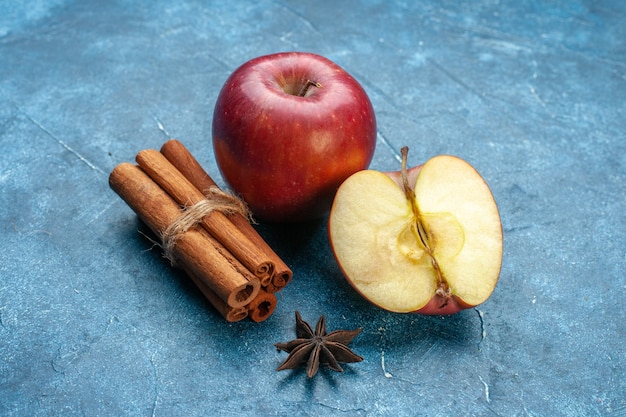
x: 423, y: 234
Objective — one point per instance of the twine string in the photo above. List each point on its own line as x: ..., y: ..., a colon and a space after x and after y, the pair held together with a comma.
x: 216, y: 200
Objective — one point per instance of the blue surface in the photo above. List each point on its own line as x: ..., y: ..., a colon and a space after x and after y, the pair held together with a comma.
x: 531, y: 93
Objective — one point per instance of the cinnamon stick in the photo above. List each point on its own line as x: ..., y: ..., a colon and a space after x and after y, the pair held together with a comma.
x: 215, y: 222
x: 196, y: 249
x: 187, y: 165
x: 231, y: 314
x: 262, y: 306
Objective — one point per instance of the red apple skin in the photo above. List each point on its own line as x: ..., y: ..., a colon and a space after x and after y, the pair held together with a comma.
x: 438, y: 306
x: 286, y: 155
x: 411, y: 176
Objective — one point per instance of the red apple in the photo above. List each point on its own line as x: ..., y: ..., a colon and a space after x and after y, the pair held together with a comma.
x: 288, y: 129
x: 425, y: 240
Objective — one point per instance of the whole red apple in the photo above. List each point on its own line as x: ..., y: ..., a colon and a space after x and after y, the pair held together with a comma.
x: 288, y: 129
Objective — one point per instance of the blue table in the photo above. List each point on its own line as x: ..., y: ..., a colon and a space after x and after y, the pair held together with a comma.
x: 93, y: 322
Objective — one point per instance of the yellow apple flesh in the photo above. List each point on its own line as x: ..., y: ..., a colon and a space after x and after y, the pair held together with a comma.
x: 427, y: 241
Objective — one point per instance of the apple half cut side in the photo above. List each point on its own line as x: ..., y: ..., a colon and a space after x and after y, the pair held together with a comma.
x: 426, y: 240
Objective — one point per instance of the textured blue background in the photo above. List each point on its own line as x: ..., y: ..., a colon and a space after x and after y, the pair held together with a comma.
x: 532, y: 93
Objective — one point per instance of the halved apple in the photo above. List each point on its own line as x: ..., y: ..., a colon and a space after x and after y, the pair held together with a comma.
x: 425, y: 240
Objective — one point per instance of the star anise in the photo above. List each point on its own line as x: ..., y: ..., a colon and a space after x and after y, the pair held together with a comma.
x: 315, y: 348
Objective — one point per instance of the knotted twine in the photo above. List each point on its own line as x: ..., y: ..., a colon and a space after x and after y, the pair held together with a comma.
x: 216, y: 200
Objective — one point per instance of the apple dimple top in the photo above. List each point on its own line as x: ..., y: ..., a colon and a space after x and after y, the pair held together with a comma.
x: 279, y: 81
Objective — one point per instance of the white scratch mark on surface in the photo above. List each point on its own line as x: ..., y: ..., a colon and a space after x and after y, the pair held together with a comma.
x: 382, y: 364
x: 160, y: 126
x: 156, y: 386
x: 486, y: 389
x: 61, y: 142
x: 388, y: 145
x: 507, y: 47
x: 5, y: 175
x: 2, y: 323
x: 539, y: 99
x: 426, y: 355
x: 483, y: 331
x: 97, y: 216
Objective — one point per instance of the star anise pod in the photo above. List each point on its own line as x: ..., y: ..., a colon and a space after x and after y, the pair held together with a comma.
x: 315, y: 348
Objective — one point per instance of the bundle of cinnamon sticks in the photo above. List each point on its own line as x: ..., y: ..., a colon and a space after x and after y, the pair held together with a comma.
x: 203, y: 230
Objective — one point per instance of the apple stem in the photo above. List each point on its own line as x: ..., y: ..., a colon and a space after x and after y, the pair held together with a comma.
x: 408, y: 190
x: 306, y: 86
x: 443, y: 289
